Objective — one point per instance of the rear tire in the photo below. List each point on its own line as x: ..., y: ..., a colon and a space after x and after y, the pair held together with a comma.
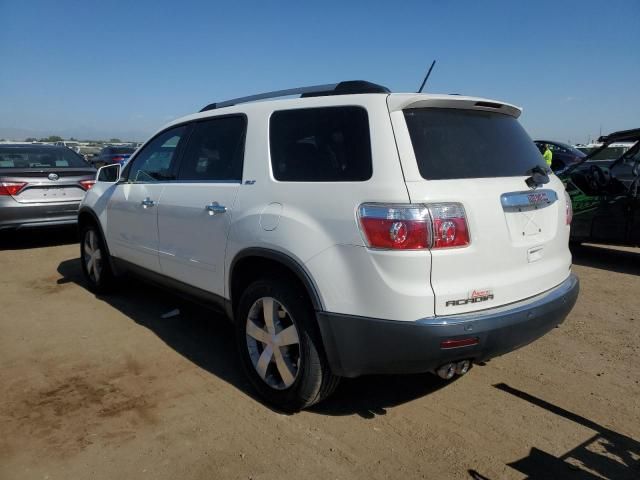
x: 280, y: 345
x: 95, y: 260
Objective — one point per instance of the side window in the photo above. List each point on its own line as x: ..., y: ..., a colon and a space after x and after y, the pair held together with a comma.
x: 215, y: 150
x: 156, y: 162
x: 328, y: 144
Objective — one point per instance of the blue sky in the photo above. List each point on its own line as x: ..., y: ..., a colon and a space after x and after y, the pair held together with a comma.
x: 116, y: 68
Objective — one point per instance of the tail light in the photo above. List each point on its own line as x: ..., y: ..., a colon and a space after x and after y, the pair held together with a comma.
x: 568, y: 208
x: 11, y: 188
x: 87, y: 184
x: 117, y: 159
x: 402, y: 227
x: 449, y: 225
x: 414, y: 227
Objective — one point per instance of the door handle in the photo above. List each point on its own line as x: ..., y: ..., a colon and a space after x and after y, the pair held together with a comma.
x: 147, y: 202
x: 215, y: 209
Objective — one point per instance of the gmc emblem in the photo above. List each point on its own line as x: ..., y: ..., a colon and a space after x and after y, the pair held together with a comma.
x: 537, y: 198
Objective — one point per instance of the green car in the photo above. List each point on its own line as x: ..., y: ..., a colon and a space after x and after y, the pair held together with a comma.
x: 605, y: 194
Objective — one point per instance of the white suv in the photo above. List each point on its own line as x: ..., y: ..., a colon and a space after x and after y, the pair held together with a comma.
x: 349, y: 231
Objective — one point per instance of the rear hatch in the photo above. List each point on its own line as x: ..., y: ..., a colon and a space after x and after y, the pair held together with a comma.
x: 36, y: 174
x: 475, y: 153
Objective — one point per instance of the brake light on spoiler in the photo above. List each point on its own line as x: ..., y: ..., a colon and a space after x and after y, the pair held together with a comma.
x: 414, y: 227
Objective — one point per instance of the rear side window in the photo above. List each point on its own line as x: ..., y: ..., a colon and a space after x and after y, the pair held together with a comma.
x: 455, y: 143
x: 39, y: 157
x: 328, y: 144
x: 215, y: 150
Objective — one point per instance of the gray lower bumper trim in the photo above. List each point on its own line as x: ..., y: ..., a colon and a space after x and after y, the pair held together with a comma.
x: 358, y: 345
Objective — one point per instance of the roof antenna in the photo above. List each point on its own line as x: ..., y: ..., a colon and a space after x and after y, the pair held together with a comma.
x: 424, y: 82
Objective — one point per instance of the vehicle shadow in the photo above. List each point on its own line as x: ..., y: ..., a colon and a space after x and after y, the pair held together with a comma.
x: 606, y: 454
x: 605, y: 258
x: 38, y: 238
x: 371, y: 396
x: 207, y: 339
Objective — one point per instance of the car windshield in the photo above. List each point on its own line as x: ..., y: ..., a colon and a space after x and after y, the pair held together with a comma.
x: 575, y: 151
x: 38, y: 157
x: 633, y: 154
x: 609, y: 153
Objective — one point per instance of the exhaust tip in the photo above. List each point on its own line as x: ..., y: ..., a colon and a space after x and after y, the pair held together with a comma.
x: 447, y: 371
x: 463, y: 367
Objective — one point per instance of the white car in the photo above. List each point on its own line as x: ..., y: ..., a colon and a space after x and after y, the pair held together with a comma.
x: 350, y: 231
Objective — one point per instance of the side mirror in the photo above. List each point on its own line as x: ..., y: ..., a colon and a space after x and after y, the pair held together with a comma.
x: 108, y: 173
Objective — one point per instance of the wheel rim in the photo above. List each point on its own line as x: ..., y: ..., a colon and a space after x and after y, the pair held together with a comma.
x: 92, y: 256
x: 273, y: 343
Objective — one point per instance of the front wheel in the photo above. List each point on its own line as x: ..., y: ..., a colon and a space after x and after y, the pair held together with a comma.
x: 280, y: 345
x: 95, y: 260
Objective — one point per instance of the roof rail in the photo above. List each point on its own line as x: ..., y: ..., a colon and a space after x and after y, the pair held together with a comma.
x: 342, y: 88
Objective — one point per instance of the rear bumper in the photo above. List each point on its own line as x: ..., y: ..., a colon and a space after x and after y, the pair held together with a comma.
x: 359, y: 346
x: 15, y: 215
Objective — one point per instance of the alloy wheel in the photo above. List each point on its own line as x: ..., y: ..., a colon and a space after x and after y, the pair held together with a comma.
x: 92, y: 256
x: 273, y: 343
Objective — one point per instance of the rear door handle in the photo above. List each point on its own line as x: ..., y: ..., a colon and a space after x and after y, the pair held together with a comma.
x: 147, y: 202
x: 215, y: 209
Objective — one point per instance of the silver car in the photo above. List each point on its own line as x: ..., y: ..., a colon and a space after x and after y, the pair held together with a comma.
x: 41, y: 185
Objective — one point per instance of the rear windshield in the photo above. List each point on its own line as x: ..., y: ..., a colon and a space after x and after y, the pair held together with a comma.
x: 34, y: 157
x: 121, y: 150
x: 454, y: 143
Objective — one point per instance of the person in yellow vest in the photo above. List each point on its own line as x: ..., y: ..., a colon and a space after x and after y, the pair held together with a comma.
x: 546, y: 153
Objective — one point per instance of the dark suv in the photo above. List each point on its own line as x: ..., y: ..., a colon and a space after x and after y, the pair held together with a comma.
x: 110, y: 155
x: 564, y: 155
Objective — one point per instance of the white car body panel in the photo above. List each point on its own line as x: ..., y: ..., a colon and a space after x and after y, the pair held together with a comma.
x: 133, y: 228
x: 191, y: 240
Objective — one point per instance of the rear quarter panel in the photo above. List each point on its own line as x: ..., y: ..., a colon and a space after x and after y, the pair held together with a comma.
x: 308, y: 219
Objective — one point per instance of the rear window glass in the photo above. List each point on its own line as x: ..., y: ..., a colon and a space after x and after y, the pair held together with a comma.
x: 34, y: 157
x: 328, y: 144
x: 454, y: 143
x: 120, y: 150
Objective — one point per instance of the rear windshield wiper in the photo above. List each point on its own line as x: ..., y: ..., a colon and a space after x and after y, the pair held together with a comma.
x: 539, y: 176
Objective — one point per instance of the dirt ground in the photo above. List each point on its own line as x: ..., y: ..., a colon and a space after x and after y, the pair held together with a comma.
x: 104, y: 388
